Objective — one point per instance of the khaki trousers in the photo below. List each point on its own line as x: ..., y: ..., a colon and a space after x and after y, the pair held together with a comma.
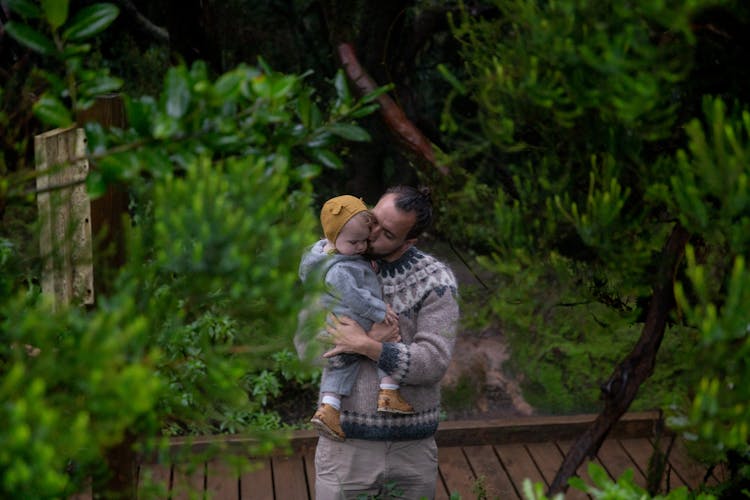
x: 386, y: 469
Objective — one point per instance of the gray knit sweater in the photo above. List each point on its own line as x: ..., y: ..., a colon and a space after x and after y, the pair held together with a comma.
x: 423, y: 291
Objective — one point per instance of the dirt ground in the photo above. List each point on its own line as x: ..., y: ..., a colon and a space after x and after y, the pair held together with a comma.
x: 477, y: 384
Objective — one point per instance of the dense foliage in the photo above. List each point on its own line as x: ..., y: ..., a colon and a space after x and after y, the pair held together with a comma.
x: 578, y: 134
x: 594, y: 133
x: 195, y: 332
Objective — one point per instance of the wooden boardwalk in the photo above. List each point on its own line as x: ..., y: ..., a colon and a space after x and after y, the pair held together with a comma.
x: 493, y: 457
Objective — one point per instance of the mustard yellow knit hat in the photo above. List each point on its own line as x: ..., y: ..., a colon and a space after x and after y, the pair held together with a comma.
x: 337, y: 211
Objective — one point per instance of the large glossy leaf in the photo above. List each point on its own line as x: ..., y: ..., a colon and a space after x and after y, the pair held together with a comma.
x: 140, y: 113
x: 365, y: 110
x: 303, y: 109
x: 327, y: 158
x: 90, y: 21
x: 25, y: 9
x: 101, y: 84
x: 342, y: 89
x: 229, y: 84
x: 51, y: 111
x: 282, y: 86
x: 177, y: 92
x: 350, y: 132
x: 31, y: 38
x: 56, y: 12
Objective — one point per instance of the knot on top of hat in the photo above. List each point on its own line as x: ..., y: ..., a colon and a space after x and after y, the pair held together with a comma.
x: 335, y: 207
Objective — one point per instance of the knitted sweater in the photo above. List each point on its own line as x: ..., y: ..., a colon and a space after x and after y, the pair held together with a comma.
x: 423, y: 291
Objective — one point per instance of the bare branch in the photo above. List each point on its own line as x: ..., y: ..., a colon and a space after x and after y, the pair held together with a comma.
x: 157, y: 32
x: 395, y: 118
x: 621, y: 388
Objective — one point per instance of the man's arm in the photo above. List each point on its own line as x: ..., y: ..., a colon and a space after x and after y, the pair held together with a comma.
x: 350, y: 337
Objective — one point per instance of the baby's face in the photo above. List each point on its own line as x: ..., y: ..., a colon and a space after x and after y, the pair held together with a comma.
x: 352, y: 240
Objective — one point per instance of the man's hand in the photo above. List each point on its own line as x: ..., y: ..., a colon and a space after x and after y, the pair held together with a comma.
x: 350, y: 337
x: 385, y: 331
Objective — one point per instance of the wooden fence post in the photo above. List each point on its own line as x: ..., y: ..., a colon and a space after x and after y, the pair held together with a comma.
x: 65, y: 216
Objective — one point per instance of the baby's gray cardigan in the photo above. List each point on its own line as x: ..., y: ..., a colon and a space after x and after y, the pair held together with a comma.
x: 353, y: 290
x: 423, y: 291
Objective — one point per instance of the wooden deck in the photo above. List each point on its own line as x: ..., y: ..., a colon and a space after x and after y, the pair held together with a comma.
x: 492, y: 456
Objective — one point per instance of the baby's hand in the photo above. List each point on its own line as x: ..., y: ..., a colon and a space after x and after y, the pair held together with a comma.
x: 391, y: 317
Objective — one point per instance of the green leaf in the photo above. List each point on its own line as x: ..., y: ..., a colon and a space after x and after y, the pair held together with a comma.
x: 319, y: 140
x: 229, y: 84
x: 96, y: 137
x: 342, y: 88
x: 51, y: 111
x: 578, y: 483
x: 76, y: 49
x: 377, y: 93
x: 281, y: 87
x: 308, y: 171
x: 140, y: 113
x: 177, y: 92
x: 25, y: 9
x: 95, y: 185
x: 101, y: 84
x: 327, y: 158
x: 365, y: 110
x: 91, y: 20
x: 303, y: 109
x: 451, y: 78
x: 349, y: 132
x: 56, y: 12
x: 31, y: 38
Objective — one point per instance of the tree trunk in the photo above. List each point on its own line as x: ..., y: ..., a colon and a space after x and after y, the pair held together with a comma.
x: 621, y: 388
x: 107, y: 212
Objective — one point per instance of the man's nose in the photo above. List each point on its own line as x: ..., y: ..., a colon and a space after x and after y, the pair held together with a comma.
x: 374, y: 233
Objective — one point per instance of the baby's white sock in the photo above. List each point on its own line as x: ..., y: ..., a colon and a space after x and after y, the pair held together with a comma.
x: 333, y: 400
x: 384, y: 385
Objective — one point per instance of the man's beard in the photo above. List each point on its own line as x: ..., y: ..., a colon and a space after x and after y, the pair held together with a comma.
x: 371, y: 255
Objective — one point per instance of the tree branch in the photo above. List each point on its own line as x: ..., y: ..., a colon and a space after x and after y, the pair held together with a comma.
x: 156, y: 32
x: 621, y: 388
x: 408, y: 135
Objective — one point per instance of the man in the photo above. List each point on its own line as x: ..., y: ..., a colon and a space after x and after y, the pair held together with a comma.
x: 388, y: 454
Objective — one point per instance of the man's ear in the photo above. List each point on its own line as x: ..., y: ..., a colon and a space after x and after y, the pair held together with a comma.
x: 409, y: 243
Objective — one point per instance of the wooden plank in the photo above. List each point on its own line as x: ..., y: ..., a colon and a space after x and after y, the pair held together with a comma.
x: 691, y: 472
x: 519, y: 465
x: 441, y: 491
x: 257, y: 483
x: 532, y: 429
x: 455, y: 471
x: 289, y: 477
x: 489, y: 472
x: 188, y: 481
x: 616, y: 461
x: 222, y: 481
x: 640, y: 451
x: 536, y: 429
x: 547, y: 458
x: 154, y: 481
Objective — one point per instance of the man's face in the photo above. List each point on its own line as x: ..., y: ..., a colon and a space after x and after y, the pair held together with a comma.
x: 388, y: 235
